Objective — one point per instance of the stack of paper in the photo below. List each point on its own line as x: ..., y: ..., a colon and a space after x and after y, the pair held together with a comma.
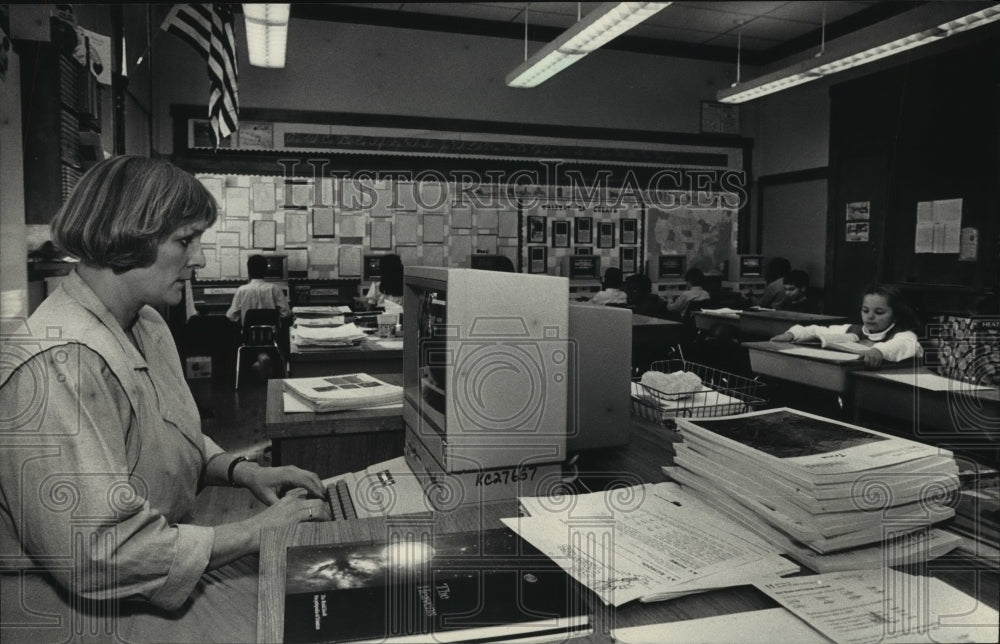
x: 320, y: 310
x: 832, y: 495
x: 320, y: 321
x: 351, y: 391
x: 648, y: 542
x: 344, y: 335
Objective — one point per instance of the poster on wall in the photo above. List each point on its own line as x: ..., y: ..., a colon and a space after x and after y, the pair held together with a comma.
x: 381, y: 234
x: 296, y: 228
x: 629, y: 231
x: 627, y: 255
x: 583, y: 230
x: 858, y: 211
x: 606, y: 234
x: 537, y: 259
x: 323, y: 222
x: 857, y: 231
x: 264, y: 233
x: 560, y: 233
x: 536, y: 229
x: 939, y: 226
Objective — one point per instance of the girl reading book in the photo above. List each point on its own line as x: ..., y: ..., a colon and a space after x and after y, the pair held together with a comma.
x: 885, y: 333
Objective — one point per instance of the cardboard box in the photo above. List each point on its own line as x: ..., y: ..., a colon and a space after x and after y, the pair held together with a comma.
x: 197, y: 367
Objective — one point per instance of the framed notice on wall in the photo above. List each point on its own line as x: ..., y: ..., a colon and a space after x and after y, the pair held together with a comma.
x: 606, y: 234
x: 629, y: 228
x: 264, y: 233
x: 583, y: 230
x: 720, y: 118
x: 537, y: 259
x: 560, y: 233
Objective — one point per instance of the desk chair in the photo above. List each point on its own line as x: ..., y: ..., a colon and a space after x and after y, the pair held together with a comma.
x: 261, y: 328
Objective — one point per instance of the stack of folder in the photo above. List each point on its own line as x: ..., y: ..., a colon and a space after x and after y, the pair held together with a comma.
x: 834, y: 496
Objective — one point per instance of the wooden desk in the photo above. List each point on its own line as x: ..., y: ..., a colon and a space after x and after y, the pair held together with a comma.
x: 335, y: 442
x: 966, y: 421
x: 707, y: 320
x: 653, y: 339
x: 764, y: 325
x: 766, y: 358
x: 368, y: 358
x: 639, y: 462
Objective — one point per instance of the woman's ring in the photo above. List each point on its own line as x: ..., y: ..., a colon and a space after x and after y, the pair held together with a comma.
x: 310, y: 514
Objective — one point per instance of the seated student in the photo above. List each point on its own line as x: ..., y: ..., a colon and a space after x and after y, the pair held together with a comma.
x: 641, y: 298
x: 774, y: 292
x: 796, y: 285
x: 887, y: 327
x: 611, y: 292
x: 387, y: 292
x: 260, y: 294
x: 695, y: 292
x: 257, y: 293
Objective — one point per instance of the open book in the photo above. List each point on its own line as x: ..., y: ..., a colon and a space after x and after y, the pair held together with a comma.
x: 338, y: 393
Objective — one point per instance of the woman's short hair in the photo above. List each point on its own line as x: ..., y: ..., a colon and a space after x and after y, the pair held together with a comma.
x: 390, y: 268
x: 124, y: 207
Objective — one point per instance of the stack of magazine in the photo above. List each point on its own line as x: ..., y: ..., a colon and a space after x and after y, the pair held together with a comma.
x: 349, y: 391
x: 834, y: 496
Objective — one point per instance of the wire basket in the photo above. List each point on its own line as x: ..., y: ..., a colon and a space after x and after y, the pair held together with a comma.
x: 721, y: 393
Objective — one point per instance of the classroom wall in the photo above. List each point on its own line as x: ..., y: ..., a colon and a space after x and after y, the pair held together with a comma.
x: 380, y: 70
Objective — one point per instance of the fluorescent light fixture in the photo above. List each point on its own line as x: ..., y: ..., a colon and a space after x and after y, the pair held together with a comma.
x: 597, y: 28
x: 921, y: 26
x: 267, y: 33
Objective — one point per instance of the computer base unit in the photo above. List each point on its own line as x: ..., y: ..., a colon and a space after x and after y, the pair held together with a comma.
x: 449, y: 490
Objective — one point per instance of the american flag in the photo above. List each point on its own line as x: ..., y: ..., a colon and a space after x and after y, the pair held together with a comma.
x: 209, y: 29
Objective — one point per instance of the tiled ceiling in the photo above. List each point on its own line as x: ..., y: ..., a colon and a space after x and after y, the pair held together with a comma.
x: 767, y: 30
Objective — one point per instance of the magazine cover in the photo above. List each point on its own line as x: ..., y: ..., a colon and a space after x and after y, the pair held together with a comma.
x: 462, y: 587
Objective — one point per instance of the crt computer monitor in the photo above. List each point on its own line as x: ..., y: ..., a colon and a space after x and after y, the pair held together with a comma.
x: 371, y: 269
x: 277, y: 267
x: 671, y: 267
x: 485, y: 366
x: 577, y: 267
x: 751, y: 267
x: 488, y: 262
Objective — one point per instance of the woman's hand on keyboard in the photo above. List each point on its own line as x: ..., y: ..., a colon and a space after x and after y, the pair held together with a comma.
x: 292, y: 508
x: 269, y: 483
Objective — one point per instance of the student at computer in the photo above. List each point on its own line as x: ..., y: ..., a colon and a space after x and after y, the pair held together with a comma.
x: 641, y: 298
x: 774, y: 292
x: 611, y: 288
x: 887, y: 328
x: 258, y: 293
x: 796, y: 297
x: 98, y: 483
x: 387, y: 292
x: 695, y: 292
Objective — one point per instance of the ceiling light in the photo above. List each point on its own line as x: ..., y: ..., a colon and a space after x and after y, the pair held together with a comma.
x: 926, y: 24
x: 267, y: 33
x: 597, y: 28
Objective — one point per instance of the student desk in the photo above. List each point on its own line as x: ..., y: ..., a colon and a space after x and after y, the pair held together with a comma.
x: 708, y: 320
x: 639, y: 462
x: 369, y: 357
x: 652, y: 339
x: 764, y: 325
x: 334, y: 442
x: 767, y: 358
x: 968, y: 420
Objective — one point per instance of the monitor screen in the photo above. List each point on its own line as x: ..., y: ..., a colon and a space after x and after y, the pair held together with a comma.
x: 371, y: 269
x: 582, y: 267
x: 672, y: 266
x: 275, y: 267
x: 751, y: 266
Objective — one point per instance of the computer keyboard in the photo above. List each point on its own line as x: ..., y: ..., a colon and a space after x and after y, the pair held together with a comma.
x: 339, y: 498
